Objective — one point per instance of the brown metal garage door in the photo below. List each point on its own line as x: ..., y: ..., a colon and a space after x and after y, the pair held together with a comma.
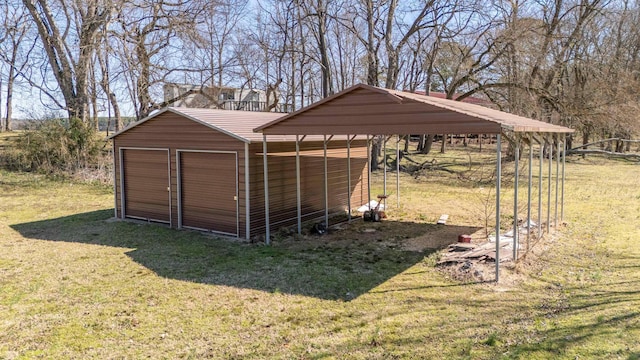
x: 146, y: 184
x: 208, y: 191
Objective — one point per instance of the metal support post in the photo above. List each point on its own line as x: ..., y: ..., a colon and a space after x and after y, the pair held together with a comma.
x: 298, y: 191
x: 540, y: 164
x: 384, y: 168
x: 564, y: 159
x: 516, y: 179
x: 398, y: 170
x: 368, y: 173
x: 265, y: 169
x: 498, y: 179
x: 326, y: 185
x: 529, y: 192
x: 555, y: 217
x: 247, y: 194
x: 549, y: 188
x: 349, y: 178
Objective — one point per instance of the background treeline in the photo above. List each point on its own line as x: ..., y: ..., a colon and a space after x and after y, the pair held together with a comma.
x: 571, y: 62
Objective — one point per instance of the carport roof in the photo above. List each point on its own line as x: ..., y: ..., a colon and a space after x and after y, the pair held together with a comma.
x: 365, y: 109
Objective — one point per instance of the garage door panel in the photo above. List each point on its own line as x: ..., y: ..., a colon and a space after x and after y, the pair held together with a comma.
x: 208, y: 185
x: 146, y: 179
x: 203, y: 212
x: 225, y: 201
x: 147, y: 184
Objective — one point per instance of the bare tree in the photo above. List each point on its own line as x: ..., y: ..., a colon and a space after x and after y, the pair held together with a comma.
x: 211, y: 47
x: 275, y: 40
x: 431, y: 15
x: 317, y: 10
x: 147, y: 30
x: 103, y: 57
x: 68, y: 37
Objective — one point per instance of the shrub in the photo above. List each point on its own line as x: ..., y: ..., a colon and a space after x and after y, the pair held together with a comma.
x: 60, y: 147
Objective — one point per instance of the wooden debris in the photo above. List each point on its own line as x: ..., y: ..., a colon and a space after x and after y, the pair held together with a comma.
x: 505, y: 255
x: 463, y: 252
x: 462, y: 247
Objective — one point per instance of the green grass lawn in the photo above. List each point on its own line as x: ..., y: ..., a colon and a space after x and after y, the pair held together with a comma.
x: 74, y: 284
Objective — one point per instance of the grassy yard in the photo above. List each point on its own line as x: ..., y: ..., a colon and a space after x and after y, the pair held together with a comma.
x: 74, y: 284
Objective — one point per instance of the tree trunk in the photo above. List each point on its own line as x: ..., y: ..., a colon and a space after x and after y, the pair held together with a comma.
x: 327, y: 83
x: 374, y: 155
x: 372, y: 58
x: 428, y: 142
x: 142, y: 85
x: 9, y: 104
x: 585, y: 138
x: 116, y: 111
x: 94, y: 100
x: 392, y: 53
x: 106, y: 87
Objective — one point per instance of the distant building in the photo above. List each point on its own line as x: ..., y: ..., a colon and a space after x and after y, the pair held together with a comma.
x: 226, y: 98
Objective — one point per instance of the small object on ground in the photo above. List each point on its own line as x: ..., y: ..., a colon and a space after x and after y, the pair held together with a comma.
x: 464, y: 238
x: 369, y: 206
x: 443, y: 219
x: 466, y: 266
x: 369, y: 230
x: 375, y: 214
x: 319, y: 228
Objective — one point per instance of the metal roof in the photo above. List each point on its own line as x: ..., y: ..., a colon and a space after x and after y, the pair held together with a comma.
x: 237, y: 124
x: 365, y: 109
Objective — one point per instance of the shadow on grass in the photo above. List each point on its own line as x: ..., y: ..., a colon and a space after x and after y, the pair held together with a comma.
x: 558, y: 340
x: 597, y: 311
x: 323, y: 267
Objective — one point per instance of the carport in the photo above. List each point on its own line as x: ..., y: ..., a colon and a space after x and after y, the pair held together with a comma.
x: 369, y: 110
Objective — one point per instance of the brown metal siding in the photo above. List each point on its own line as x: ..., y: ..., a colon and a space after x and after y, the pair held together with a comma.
x: 208, y: 191
x: 146, y: 182
x: 173, y: 131
x: 282, y: 181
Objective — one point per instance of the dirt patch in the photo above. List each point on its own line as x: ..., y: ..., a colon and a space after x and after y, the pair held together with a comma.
x: 401, y: 235
x: 440, y: 237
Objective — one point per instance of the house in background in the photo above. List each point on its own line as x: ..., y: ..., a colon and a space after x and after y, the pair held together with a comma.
x: 224, y: 98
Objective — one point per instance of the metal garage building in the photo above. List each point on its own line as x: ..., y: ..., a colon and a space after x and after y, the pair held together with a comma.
x: 203, y: 169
